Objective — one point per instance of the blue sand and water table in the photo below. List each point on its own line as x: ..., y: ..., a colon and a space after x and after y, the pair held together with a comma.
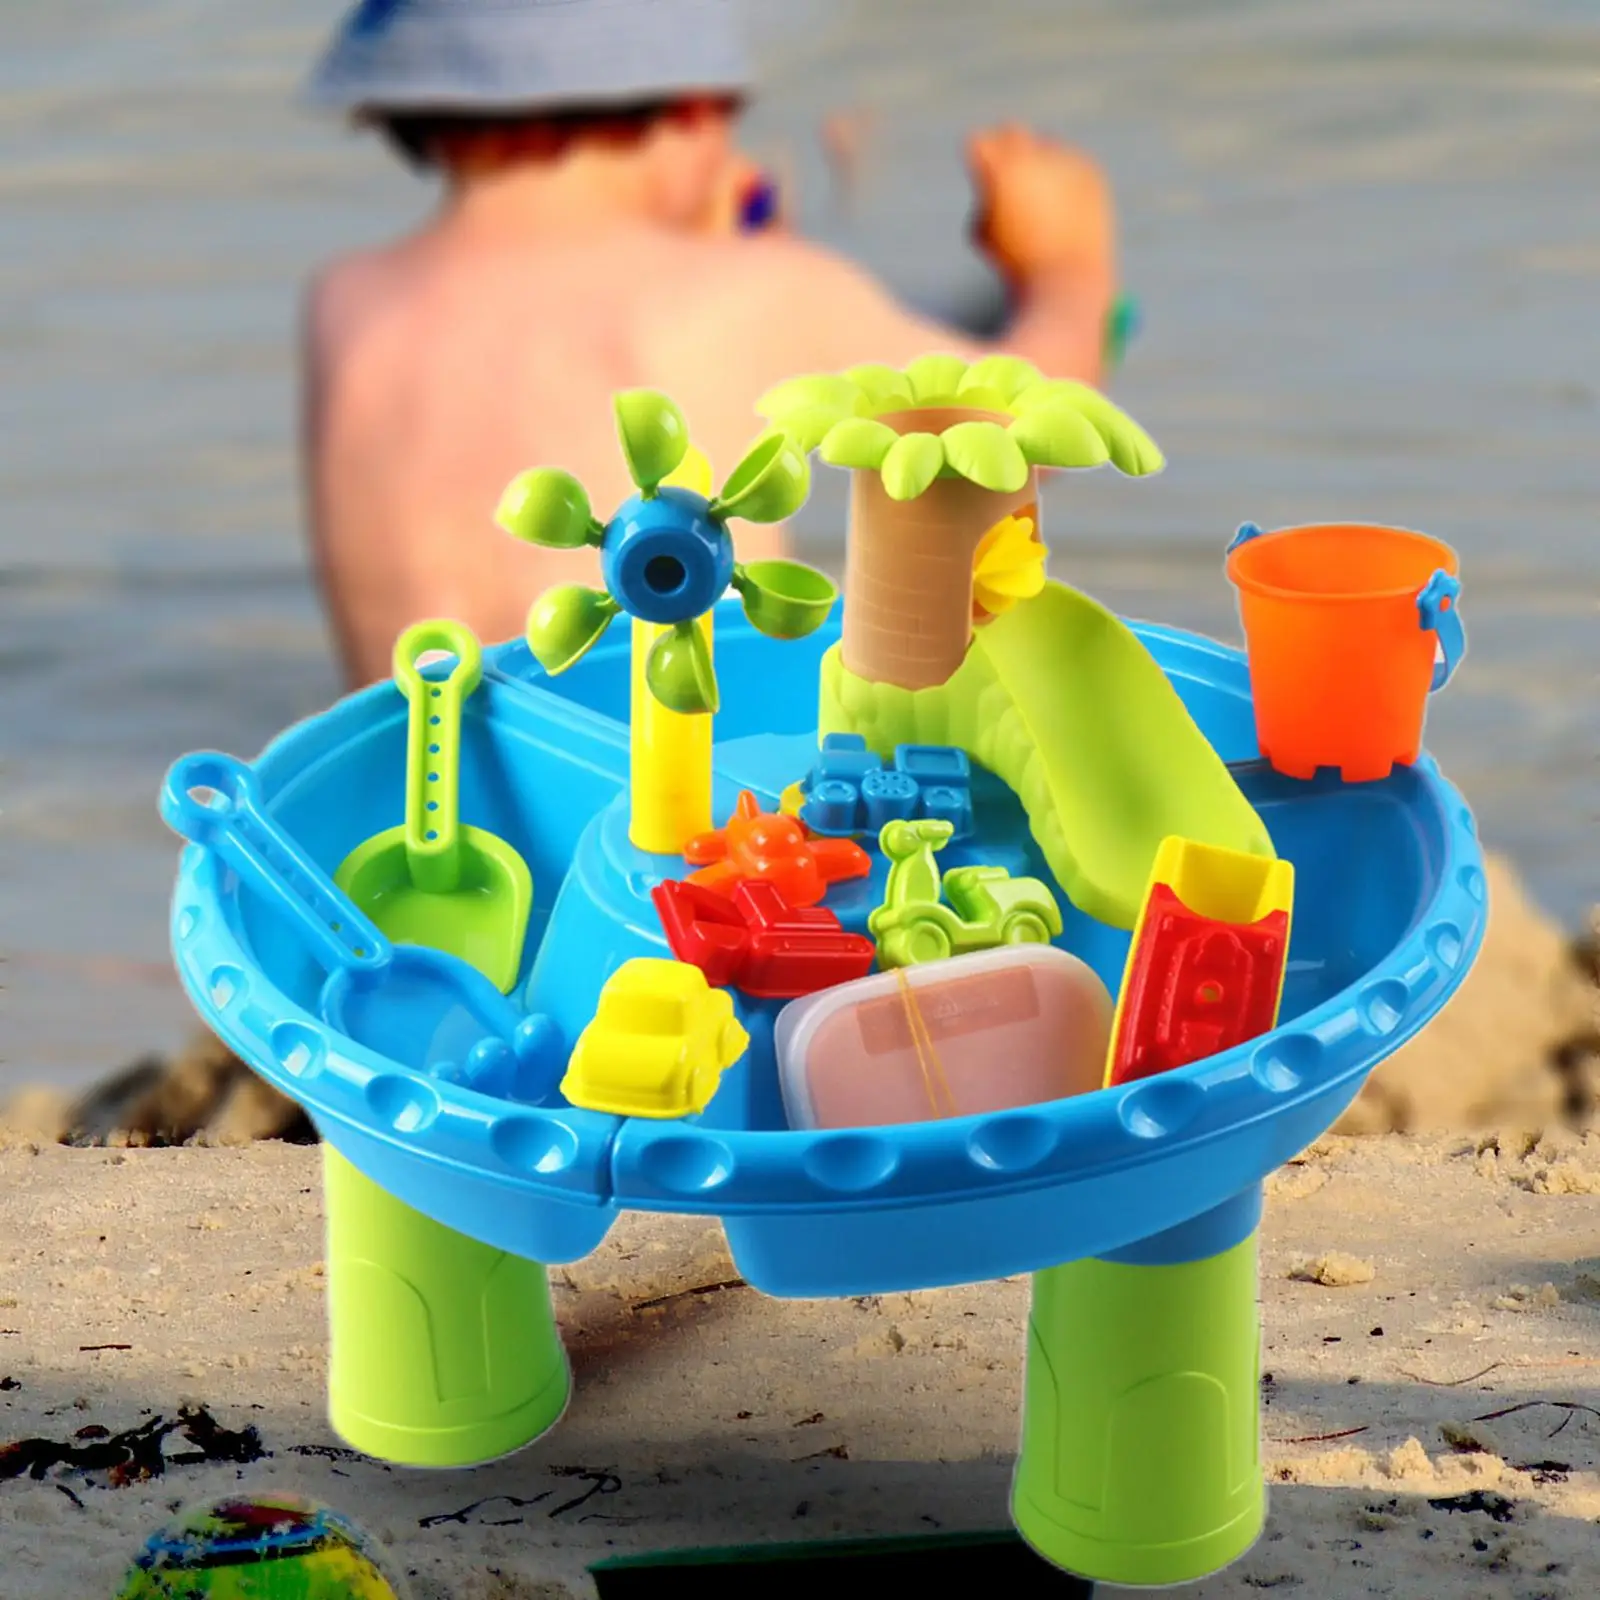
x: 1391, y: 910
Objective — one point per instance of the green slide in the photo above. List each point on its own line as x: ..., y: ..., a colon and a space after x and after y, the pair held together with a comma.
x: 1060, y: 700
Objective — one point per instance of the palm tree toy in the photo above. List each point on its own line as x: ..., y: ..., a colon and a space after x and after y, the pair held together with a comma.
x: 954, y: 636
x: 944, y: 510
x: 666, y: 558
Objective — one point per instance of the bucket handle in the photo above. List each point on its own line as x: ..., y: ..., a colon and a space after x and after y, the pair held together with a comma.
x: 1438, y: 610
x: 1246, y: 532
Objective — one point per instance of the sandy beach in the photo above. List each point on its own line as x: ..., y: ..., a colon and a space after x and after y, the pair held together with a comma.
x: 1432, y: 1345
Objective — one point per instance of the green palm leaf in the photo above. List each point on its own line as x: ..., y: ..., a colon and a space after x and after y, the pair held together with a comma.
x: 1037, y: 422
x: 882, y: 388
x: 913, y: 461
x: 808, y: 428
x: 859, y: 443
x: 935, y: 378
x: 1002, y: 375
x: 978, y: 399
x: 985, y: 454
x: 1130, y: 449
x: 796, y: 397
x: 1058, y: 436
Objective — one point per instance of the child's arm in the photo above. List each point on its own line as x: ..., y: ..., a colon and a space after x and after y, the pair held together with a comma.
x: 814, y: 311
x: 1044, y: 218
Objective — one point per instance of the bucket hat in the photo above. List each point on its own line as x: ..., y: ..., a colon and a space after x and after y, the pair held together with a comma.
x: 529, y: 55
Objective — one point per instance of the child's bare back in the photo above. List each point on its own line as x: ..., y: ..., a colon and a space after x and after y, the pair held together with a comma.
x: 442, y: 367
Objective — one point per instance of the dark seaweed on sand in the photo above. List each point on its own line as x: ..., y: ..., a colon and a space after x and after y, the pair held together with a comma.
x: 136, y: 1454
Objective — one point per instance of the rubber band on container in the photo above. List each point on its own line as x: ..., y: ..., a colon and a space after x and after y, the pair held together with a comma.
x: 933, y: 1076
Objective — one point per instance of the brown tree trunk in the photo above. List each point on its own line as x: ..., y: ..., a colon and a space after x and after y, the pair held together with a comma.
x: 908, y: 566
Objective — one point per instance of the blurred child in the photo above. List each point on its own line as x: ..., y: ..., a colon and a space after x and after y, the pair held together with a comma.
x: 590, y: 239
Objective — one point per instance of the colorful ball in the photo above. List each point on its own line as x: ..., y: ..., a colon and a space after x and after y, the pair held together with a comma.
x: 279, y: 1548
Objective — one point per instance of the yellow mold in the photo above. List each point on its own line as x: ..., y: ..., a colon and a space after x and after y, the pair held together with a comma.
x: 1224, y: 886
x: 659, y: 1043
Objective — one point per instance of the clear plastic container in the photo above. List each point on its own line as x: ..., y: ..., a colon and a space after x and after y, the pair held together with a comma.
x: 977, y: 1033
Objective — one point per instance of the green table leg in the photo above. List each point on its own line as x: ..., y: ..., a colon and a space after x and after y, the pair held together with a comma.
x: 1141, y: 1435
x: 444, y: 1351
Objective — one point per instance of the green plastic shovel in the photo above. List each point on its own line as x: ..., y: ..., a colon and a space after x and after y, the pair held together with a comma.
x: 433, y: 881
x: 443, y: 1351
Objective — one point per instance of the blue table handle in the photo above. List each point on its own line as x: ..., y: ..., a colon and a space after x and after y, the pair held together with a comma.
x: 238, y: 829
x: 1438, y: 609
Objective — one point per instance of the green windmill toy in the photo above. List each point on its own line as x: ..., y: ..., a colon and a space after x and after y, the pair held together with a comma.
x: 666, y: 558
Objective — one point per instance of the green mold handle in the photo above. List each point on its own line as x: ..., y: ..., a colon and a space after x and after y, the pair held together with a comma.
x: 433, y: 748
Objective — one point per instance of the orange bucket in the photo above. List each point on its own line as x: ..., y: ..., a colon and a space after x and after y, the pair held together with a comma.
x: 1348, y: 628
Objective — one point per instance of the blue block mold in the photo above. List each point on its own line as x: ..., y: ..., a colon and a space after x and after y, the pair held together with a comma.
x: 849, y: 790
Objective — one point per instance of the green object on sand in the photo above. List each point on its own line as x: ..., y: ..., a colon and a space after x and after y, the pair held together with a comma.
x: 433, y: 881
x: 1062, y: 702
x: 444, y: 1351
x: 1141, y: 1461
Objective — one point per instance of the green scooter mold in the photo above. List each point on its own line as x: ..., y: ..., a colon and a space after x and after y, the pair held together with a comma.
x: 987, y: 906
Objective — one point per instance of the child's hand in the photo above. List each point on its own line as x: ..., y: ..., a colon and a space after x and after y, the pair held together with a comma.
x: 1042, y: 208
